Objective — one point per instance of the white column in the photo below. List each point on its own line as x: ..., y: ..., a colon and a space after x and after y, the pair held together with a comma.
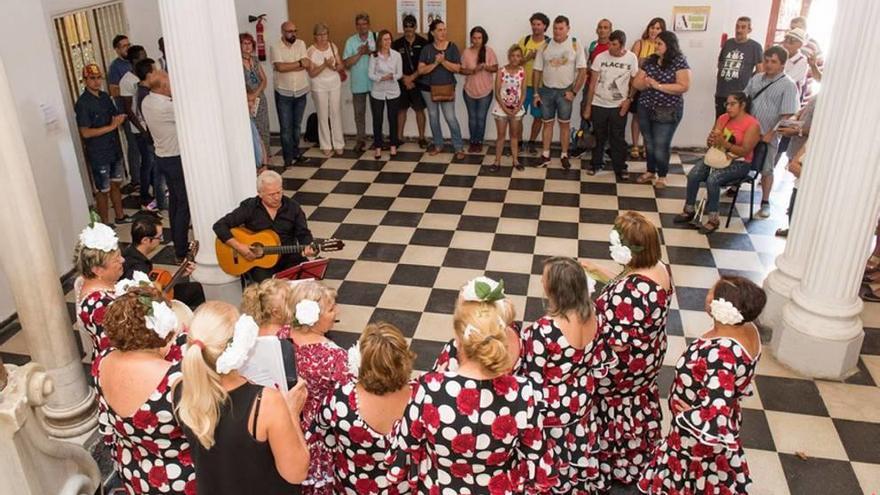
x: 207, y: 84
x: 29, y: 266
x: 821, y: 332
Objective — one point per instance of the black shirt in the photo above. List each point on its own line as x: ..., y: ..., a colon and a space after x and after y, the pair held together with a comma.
x: 95, y: 112
x: 410, y: 54
x: 289, y: 223
x: 135, y: 261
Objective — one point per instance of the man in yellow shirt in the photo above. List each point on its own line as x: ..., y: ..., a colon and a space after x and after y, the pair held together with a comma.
x: 531, y: 45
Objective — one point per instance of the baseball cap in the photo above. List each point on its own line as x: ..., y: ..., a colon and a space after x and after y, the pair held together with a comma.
x: 798, y: 34
x: 91, y: 70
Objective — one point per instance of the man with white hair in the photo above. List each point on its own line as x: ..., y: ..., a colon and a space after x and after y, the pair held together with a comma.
x: 269, y: 210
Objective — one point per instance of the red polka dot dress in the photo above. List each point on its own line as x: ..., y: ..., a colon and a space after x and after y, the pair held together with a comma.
x: 703, y: 454
x: 90, y: 313
x: 632, y: 315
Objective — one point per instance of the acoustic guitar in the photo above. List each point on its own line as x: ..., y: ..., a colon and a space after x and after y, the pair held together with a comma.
x: 165, y: 280
x: 267, y: 246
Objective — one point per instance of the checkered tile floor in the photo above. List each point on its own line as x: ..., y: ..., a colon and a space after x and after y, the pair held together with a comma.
x: 417, y: 227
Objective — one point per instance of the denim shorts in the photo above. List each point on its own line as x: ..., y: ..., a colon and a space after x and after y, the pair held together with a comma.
x: 554, y: 105
x: 529, y: 104
x: 105, y: 171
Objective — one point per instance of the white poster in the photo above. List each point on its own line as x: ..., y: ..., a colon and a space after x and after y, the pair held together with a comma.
x: 433, y: 9
x: 405, y: 8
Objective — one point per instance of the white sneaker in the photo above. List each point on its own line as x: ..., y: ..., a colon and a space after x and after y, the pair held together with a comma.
x: 764, y: 212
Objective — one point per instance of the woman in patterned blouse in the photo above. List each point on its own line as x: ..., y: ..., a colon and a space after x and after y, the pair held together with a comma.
x: 356, y: 422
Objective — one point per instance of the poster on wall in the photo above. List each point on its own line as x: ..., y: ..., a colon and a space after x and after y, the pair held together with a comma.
x: 405, y: 8
x: 690, y: 18
x: 432, y: 9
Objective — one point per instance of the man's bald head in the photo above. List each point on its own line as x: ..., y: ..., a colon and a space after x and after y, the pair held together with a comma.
x: 288, y: 31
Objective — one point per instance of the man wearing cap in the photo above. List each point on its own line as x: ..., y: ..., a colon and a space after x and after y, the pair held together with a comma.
x: 97, y: 119
x: 797, y: 66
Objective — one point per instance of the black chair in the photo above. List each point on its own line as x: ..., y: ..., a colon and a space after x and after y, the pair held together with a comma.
x: 758, y: 156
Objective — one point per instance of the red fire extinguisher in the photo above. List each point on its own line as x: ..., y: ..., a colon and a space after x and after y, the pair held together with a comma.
x: 261, y: 42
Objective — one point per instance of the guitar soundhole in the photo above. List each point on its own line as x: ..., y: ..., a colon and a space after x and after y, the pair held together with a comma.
x: 257, y: 248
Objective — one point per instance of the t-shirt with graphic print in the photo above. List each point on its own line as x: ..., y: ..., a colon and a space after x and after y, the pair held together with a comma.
x: 736, y: 64
x: 615, y: 75
x: 559, y: 63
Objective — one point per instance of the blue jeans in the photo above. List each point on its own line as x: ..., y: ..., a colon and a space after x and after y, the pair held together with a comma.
x: 145, y: 149
x: 715, y: 179
x: 448, y: 109
x: 658, y: 140
x: 290, y: 115
x: 477, y: 109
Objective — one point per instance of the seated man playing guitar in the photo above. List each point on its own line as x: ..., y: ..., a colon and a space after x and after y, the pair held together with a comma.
x: 270, y: 210
x: 146, y: 235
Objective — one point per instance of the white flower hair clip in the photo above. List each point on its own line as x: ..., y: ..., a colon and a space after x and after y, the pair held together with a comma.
x: 483, y: 289
x: 161, y: 319
x: 619, y: 252
x: 725, y: 312
x: 470, y: 331
x: 137, y: 278
x: 591, y: 282
x: 354, y: 359
x: 99, y: 236
x: 243, y: 339
x: 307, y: 313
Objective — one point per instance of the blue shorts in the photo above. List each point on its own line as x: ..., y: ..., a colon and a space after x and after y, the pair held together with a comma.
x: 529, y: 104
x: 554, y: 105
x: 105, y: 171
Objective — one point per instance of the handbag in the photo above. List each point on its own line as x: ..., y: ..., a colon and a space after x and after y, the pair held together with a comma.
x: 717, y: 158
x: 664, y: 114
x: 442, y: 92
x: 343, y: 76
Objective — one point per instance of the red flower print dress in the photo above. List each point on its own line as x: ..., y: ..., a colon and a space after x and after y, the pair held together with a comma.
x: 359, y: 450
x: 702, y: 454
x: 632, y: 314
x: 459, y: 435
x: 448, y: 358
x: 90, y: 313
x: 567, y: 378
x: 323, y: 366
x: 149, y: 451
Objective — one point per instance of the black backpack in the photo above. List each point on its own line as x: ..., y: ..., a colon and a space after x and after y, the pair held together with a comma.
x: 311, y: 134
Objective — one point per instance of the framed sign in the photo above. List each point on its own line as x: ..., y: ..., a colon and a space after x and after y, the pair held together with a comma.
x: 690, y: 18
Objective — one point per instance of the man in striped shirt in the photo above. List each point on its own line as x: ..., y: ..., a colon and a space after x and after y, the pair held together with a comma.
x: 774, y: 98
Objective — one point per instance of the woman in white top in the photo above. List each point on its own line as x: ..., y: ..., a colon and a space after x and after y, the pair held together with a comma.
x: 386, y: 68
x: 326, y: 90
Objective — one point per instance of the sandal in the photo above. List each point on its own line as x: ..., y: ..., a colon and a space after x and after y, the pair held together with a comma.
x: 393, y: 151
x: 518, y: 166
x: 495, y: 167
x: 710, y: 226
x: 660, y: 183
x: 378, y: 154
x: 459, y: 155
x: 634, y: 152
x: 684, y: 217
x: 645, y: 178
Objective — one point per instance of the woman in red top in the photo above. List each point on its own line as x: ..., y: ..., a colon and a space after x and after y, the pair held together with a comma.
x: 736, y: 133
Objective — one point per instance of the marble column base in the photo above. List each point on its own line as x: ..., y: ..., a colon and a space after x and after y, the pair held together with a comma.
x: 778, y: 286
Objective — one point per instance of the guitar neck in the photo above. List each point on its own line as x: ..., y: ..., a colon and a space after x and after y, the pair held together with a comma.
x: 288, y: 249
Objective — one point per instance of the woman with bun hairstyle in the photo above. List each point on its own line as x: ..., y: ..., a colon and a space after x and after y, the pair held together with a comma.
x: 270, y: 304
x: 474, y: 430
x: 133, y: 381
x: 245, y: 438
x: 356, y: 422
x: 562, y: 353
x: 448, y: 358
x: 703, y: 452
x: 632, y: 310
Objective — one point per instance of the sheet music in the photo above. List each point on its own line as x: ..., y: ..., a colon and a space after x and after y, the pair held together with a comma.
x: 265, y: 366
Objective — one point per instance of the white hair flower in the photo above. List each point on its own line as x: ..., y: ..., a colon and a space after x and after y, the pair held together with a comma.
x: 243, y: 339
x: 725, y: 312
x: 354, y: 359
x: 483, y: 289
x: 99, y: 236
x: 307, y: 312
x: 591, y: 283
x: 161, y: 319
x: 137, y: 278
x: 620, y: 253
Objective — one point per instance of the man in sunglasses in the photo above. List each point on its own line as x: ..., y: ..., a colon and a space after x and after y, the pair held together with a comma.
x: 98, y: 119
x: 410, y: 48
x: 290, y: 63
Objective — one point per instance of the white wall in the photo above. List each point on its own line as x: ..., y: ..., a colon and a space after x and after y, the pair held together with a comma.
x: 50, y: 147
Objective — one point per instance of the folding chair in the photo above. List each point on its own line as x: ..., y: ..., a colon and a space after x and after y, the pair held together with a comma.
x: 759, y: 154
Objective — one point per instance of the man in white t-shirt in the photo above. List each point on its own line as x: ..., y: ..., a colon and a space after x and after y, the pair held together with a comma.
x: 290, y: 63
x: 559, y: 74
x: 608, y: 101
x: 128, y: 88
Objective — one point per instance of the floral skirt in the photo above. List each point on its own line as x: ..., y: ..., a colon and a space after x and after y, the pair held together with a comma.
x: 628, y: 431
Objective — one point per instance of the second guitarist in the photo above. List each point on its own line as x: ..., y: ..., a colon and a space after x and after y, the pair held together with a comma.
x: 271, y: 210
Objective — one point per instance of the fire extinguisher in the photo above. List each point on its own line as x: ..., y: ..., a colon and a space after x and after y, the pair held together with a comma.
x: 261, y: 42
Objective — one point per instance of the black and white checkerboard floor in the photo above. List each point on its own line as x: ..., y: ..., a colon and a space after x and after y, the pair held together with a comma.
x: 418, y: 226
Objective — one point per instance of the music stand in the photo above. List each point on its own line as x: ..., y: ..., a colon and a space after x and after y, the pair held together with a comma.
x: 314, y: 269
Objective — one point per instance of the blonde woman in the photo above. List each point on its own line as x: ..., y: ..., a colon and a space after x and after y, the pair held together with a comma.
x: 322, y: 365
x: 228, y: 419
x: 474, y: 430
x: 270, y: 304
x: 356, y: 422
x: 99, y: 263
x: 324, y: 62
